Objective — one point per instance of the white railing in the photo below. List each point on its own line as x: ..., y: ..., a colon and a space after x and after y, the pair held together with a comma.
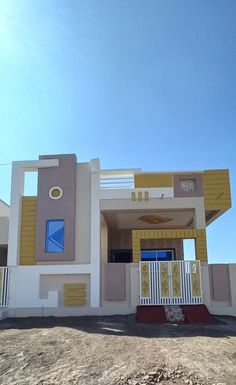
x: 4, y: 282
x: 117, y: 182
x: 117, y: 179
x: 186, y: 293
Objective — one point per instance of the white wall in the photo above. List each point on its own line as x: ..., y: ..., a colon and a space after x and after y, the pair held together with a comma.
x: 219, y: 307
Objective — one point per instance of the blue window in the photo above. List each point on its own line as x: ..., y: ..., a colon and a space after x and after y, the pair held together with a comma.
x: 54, y: 236
x: 158, y: 255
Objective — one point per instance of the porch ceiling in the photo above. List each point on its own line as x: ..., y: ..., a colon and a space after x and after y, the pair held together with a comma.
x: 159, y: 219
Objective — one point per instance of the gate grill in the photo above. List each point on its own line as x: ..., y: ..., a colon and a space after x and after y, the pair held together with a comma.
x: 170, y: 283
x: 4, y: 280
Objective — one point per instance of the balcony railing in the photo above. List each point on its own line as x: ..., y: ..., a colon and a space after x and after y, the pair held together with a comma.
x: 117, y: 179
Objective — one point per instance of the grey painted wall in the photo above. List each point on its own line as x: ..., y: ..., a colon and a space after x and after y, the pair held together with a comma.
x: 64, y: 177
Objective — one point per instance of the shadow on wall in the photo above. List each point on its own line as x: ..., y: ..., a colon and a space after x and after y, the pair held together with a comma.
x: 125, y: 326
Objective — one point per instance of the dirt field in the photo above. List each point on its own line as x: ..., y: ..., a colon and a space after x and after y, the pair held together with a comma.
x: 115, y: 350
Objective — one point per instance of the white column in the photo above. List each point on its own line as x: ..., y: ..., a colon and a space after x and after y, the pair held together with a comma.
x: 199, y: 220
x: 95, y: 233
x: 17, y: 190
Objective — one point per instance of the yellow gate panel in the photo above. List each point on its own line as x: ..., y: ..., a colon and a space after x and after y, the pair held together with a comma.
x: 164, y: 278
x: 176, y: 279
x: 145, y: 280
x: 195, y: 278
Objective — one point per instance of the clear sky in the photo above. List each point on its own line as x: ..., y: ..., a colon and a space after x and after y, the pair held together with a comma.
x: 137, y: 83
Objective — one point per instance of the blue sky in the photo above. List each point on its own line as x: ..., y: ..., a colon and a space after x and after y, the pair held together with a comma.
x: 148, y: 84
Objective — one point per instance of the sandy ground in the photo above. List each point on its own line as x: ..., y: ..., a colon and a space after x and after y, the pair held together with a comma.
x: 111, y: 350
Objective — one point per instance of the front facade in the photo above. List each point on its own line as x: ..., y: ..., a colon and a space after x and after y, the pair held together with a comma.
x: 90, y: 240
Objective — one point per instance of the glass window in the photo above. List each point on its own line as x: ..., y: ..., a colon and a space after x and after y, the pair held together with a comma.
x: 158, y: 255
x: 54, y: 236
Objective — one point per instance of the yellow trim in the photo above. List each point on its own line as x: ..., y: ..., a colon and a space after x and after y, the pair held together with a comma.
x: 28, y: 231
x: 144, y: 180
x: 140, y: 195
x: 217, y: 189
x: 198, y: 235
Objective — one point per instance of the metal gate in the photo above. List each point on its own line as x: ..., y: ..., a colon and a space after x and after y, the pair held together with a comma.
x: 170, y: 283
x: 4, y: 281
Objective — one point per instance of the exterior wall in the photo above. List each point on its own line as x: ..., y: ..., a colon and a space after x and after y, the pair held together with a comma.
x: 176, y: 244
x: 4, y: 225
x: 64, y: 177
x: 122, y: 239
x: 56, y: 282
x: 83, y: 213
x: 217, y: 190
x: 219, y: 307
x: 126, y: 283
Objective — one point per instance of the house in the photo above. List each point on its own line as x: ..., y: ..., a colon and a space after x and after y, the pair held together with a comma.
x: 97, y: 241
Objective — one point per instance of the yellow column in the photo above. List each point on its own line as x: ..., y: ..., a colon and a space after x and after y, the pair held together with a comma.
x: 136, y: 249
x: 201, y: 246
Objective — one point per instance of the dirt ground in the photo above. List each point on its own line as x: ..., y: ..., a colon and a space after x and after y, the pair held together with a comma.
x: 115, y: 350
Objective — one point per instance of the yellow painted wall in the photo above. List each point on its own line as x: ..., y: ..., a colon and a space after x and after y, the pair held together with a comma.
x: 153, y: 180
x: 198, y: 235
x: 28, y: 231
x: 74, y: 294
x: 217, y: 189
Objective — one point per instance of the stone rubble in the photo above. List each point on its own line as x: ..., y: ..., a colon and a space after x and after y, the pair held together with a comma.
x: 159, y: 375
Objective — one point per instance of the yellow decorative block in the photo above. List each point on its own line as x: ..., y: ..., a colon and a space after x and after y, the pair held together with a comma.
x: 164, y: 279
x: 74, y: 286
x: 74, y: 294
x: 140, y: 195
x: 146, y: 195
x: 144, y: 180
x: 133, y: 196
x: 198, y: 235
x: 28, y: 231
x: 176, y: 279
x: 145, y: 280
x: 196, y: 282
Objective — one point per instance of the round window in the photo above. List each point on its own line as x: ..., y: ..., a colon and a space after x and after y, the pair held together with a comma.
x: 55, y: 192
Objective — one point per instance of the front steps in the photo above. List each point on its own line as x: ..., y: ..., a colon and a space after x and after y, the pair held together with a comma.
x: 174, y: 313
x: 160, y: 314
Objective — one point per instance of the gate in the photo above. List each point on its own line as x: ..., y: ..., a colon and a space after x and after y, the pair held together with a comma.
x: 4, y: 280
x: 170, y: 283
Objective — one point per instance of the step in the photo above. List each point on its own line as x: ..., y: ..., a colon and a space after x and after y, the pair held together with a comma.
x: 197, y: 314
x: 151, y: 314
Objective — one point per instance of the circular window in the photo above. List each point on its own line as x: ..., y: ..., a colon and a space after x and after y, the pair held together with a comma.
x: 55, y: 192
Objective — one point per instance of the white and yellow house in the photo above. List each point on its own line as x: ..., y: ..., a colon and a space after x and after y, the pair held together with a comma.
x: 96, y: 241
